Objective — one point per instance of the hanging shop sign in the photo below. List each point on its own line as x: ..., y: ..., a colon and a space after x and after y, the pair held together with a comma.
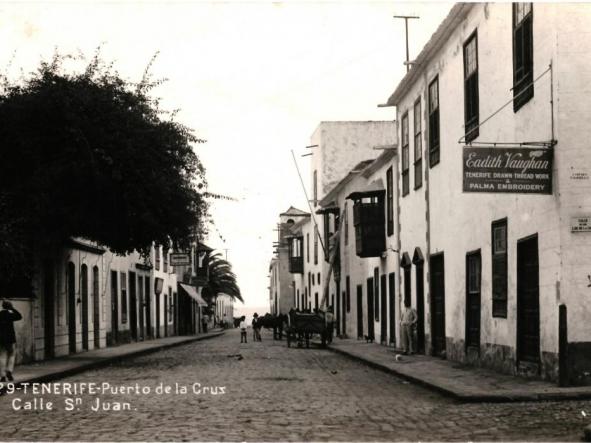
x: 580, y: 224
x: 507, y: 170
x: 180, y: 259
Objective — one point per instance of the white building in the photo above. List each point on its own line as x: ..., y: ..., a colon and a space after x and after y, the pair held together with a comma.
x: 503, y: 246
x: 364, y: 283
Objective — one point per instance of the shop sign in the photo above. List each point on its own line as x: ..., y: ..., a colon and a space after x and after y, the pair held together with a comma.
x: 180, y: 259
x: 580, y: 224
x: 507, y: 170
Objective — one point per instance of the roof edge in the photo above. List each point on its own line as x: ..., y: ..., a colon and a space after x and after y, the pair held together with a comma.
x: 457, y: 13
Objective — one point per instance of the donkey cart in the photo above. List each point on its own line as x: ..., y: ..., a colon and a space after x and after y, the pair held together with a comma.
x: 303, y: 326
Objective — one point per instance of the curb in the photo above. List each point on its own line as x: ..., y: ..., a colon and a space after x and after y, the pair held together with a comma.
x: 469, y: 398
x: 109, y: 360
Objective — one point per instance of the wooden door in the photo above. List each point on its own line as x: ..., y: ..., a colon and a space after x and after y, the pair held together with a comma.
x: 84, y: 296
x: 96, y: 302
x: 420, y: 308
x: 71, y: 279
x: 392, y: 306
x: 133, y: 306
x: 148, y: 306
x: 157, y: 311
x: 383, y: 310
x: 114, y: 308
x: 359, y: 311
x: 528, y: 301
x: 49, y: 309
x: 473, y: 300
x: 370, y: 308
x: 437, y: 287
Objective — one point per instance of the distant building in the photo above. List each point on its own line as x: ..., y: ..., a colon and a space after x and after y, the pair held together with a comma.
x: 281, y: 285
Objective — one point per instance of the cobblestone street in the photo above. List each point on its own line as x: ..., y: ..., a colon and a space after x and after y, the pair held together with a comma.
x: 272, y: 393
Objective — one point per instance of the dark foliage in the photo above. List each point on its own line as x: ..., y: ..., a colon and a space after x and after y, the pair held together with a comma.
x: 90, y: 155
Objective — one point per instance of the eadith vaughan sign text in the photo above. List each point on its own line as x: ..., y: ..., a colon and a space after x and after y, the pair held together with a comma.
x: 523, y: 170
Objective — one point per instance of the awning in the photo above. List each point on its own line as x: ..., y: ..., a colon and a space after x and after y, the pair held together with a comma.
x: 193, y: 293
x: 374, y: 189
x: 332, y: 209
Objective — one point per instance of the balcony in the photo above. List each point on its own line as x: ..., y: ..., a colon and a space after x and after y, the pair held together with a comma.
x: 369, y: 222
x: 296, y: 256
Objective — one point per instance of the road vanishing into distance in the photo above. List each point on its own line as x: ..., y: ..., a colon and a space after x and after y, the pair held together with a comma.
x: 221, y: 390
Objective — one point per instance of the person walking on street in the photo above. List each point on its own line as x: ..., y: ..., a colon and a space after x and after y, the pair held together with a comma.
x: 329, y: 319
x: 256, y: 327
x: 408, y: 320
x: 243, y: 326
x: 8, y: 315
x: 204, y: 321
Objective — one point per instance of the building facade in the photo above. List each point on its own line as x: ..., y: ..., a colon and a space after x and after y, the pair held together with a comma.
x: 495, y: 190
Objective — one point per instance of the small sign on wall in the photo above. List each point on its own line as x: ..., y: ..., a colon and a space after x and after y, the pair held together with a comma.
x: 580, y: 224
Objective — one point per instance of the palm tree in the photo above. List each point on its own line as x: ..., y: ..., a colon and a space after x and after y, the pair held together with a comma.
x: 220, y: 279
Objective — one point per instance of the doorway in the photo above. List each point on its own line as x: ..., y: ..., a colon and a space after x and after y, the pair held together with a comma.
x: 359, y: 311
x: 437, y: 303
x: 528, y: 301
x: 420, y: 308
x: 84, y: 294
x: 392, y: 306
x: 384, y: 310
x: 49, y: 309
x: 473, y: 301
x: 96, y: 320
x: 71, y: 279
x: 370, y: 308
x: 133, y: 305
x: 114, y: 308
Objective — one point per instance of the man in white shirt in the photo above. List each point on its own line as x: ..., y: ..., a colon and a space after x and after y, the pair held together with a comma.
x: 408, y: 319
x: 243, y: 327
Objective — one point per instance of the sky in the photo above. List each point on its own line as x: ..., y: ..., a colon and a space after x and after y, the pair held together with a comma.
x: 252, y: 78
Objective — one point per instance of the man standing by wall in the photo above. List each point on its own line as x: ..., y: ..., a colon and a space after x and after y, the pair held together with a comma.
x: 8, y: 315
x: 408, y: 320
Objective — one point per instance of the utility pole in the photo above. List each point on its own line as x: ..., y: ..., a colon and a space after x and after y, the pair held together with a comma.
x: 406, y: 18
x: 226, y: 254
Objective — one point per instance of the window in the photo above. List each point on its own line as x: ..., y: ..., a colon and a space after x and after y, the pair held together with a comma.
x: 404, y: 136
x: 434, y: 122
x: 315, y: 184
x: 390, y: 201
x: 318, y: 278
x: 313, y: 277
x: 315, y: 244
x: 123, y: 297
x: 523, y: 48
x: 471, y: 88
x: 499, y: 268
x: 418, y: 145
x: 165, y: 261
x: 346, y: 225
x: 308, y: 247
x: 157, y: 258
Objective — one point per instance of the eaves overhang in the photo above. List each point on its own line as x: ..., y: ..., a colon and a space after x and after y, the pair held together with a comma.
x: 452, y: 22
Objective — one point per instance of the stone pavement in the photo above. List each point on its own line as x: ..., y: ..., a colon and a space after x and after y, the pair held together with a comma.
x: 463, y: 382
x: 265, y: 391
x: 49, y: 370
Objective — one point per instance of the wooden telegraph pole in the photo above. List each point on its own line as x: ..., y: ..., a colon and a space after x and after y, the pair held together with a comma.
x: 406, y: 18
